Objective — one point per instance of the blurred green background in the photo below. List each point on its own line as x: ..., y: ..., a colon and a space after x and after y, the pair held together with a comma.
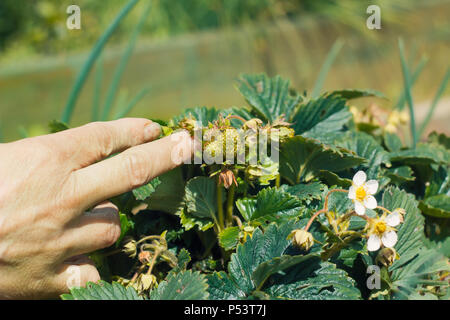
x: 190, y: 51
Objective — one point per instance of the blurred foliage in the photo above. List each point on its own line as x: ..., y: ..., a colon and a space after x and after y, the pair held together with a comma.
x: 39, y: 25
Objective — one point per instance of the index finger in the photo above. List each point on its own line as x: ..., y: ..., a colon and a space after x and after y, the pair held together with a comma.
x: 132, y: 168
x: 97, y: 140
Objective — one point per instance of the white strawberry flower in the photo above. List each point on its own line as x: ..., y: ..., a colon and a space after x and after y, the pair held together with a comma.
x: 382, y: 231
x: 362, y: 191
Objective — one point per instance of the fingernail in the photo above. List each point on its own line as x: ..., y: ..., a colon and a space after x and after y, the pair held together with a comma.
x: 152, y: 131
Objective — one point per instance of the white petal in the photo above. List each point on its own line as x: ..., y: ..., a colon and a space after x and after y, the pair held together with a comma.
x: 393, y: 219
x: 374, y: 243
x: 359, y: 208
x: 352, y: 193
x: 359, y: 178
x: 370, y: 202
x: 389, y: 239
x: 371, y: 186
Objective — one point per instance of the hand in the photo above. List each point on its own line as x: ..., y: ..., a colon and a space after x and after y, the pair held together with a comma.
x: 46, y: 185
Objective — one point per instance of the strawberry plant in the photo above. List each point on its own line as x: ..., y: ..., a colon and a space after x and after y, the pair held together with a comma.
x: 341, y: 209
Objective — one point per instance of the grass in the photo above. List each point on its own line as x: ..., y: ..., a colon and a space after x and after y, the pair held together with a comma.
x: 407, y: 92
x: 95, y: 53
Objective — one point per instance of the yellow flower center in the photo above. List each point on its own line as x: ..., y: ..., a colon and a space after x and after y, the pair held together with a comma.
x: 380, y: 227
x: 360, y: 194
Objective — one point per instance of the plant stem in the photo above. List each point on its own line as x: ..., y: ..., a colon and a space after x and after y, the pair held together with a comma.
x: 278, y: 181
x: 152, y: 264
x: 315, y: 215
x: 338, y: 246
x: 324, y: 209
x: 238, y: 221
x: 219, y: 206
x: 230, y: 203
x: 329, y: 193
x: 384, y: 209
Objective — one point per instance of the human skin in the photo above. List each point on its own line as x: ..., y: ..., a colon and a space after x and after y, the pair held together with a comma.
x: 52, y: 199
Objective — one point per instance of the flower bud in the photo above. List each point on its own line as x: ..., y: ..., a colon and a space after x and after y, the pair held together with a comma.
x: 252, y: 124
x: 188, y: 124
x: 227, y: 178
x: 247, y: 231
x: 302, y: 239
x: 130, y: 248
x: 147, y: 281
x: 386, y: 256
x: 144, y: 257
x: 144, y: 282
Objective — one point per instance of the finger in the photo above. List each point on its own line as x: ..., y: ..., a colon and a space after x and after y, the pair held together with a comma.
x: 75, y: 275
x: 132, y: 168
x: 91, y: 231
x: 97, y: 140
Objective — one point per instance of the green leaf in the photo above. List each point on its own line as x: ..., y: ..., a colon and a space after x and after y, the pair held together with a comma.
x: 202, y: 114
x: 313, y: 280
x: 186, y: 285
x: 301, y: 159
x: 333, y: 179
x: 424, y: 153
x: 268, y: 268
x: 436, y: 206
x: 269, y: 97
x: 200, y: 198
x: 349, y: 94
x: 329, y: 109
x: 255, y: 261
x: 189, y: 221
x: 439, y: 182
x: 400, y: 174
x: 229, y: 238
x: 183, y: 259
x: 125, y: 226
x: 246, y: 207
x: 144, y: 192
x: 339, y: 202
x: 416, y: 263
x: 420, y: 270
x: 57, y: 126
x: 274, y: 205
x: 168, y: 196
x: 392, y: 141
x: 366, y: 147
x: 410, y: 232
x: 328, y: 130
x: 221, y: 287
x: 349, y: 254
x: 261, y: 247
x: 305, y: 192
x: 270, y: 204
x: 441, y: 139
x: 102, y: 291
